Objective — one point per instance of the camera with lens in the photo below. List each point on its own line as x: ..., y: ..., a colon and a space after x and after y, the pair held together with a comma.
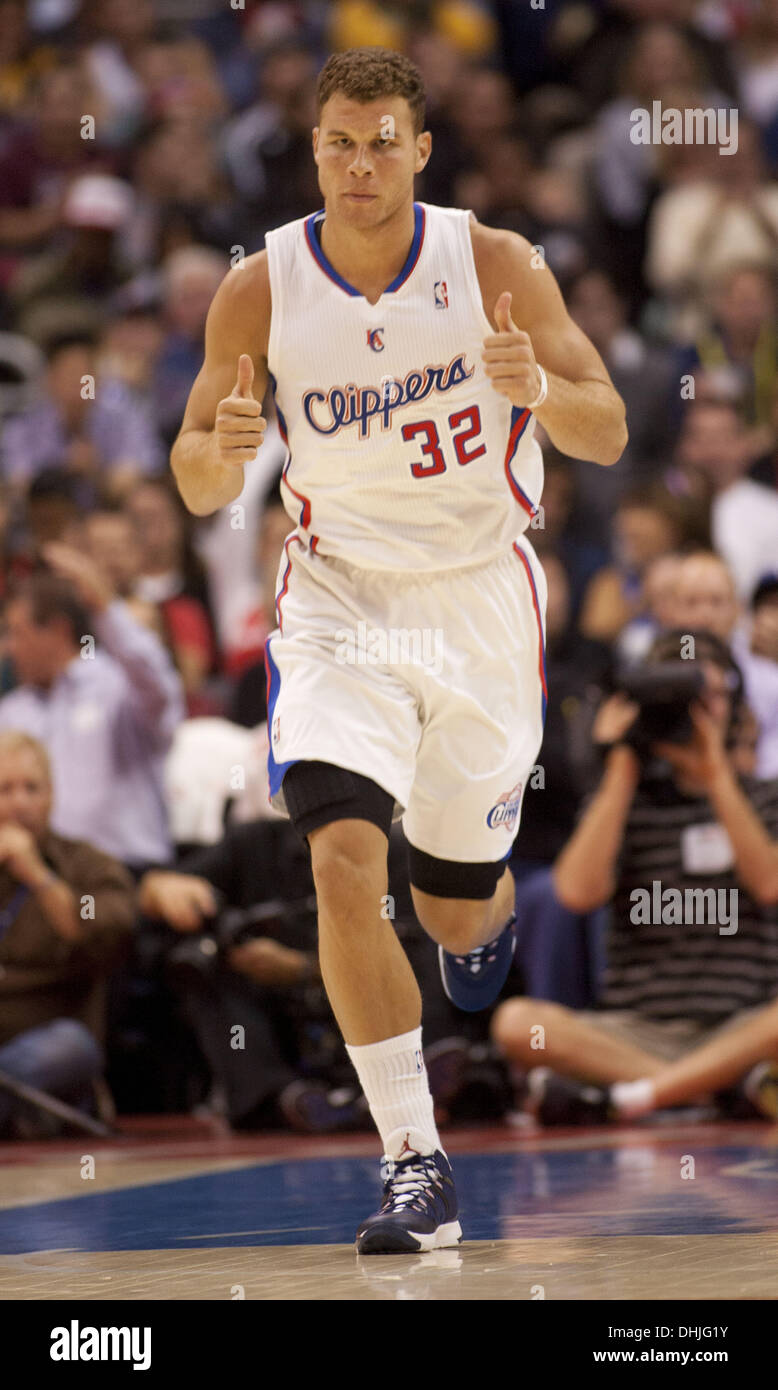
x: 233, y: 926
x: 664, y: 692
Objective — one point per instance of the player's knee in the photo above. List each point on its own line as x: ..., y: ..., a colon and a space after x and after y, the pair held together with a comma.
x: 519, y: 1026
x: 348, y: 860
x: 455, y: 924
x: 510, y: 1024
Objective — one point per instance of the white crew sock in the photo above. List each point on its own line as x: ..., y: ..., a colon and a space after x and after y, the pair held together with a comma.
x: 394, y: 1079
x: 633, y: 1098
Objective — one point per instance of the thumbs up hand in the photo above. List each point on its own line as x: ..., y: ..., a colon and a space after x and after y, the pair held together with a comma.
x: 509, y: 358
x: 239, y: 427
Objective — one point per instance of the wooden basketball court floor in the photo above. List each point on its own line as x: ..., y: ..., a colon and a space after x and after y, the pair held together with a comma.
x: 177, y: 1210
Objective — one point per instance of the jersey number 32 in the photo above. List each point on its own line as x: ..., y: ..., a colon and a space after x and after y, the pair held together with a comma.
x: 470, y: 418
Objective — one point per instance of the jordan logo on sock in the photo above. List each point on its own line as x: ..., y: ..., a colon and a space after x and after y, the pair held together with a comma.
x: 419, y: 1060
x: 406, y: 1148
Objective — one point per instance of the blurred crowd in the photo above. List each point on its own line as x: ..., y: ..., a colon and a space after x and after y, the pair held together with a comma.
x: 143, y: 147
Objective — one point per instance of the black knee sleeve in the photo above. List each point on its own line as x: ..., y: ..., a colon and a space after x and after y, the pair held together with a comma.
x: 317, y: 793
x: 447, y: 878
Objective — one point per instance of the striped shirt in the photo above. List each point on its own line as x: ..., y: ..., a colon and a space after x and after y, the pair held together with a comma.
x: 689, y: 968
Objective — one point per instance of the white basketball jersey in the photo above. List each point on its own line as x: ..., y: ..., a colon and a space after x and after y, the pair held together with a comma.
x: 401, y: 453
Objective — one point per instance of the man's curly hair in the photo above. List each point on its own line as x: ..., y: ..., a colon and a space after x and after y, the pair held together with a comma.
x: 366, y: 73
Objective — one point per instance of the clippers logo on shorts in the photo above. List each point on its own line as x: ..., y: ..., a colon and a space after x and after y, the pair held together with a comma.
x: 374, y: 339
x: 505, y: 810
x: 441, y: 294
x: 328, y: 412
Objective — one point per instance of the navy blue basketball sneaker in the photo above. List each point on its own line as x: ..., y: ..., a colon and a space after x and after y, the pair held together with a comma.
x: 473, y: 981
x: 419, y: 1207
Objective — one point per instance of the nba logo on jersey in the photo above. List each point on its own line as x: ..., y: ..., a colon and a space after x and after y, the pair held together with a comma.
x: 506, y: 809
x: 374, y: 339
x: 441, y: 294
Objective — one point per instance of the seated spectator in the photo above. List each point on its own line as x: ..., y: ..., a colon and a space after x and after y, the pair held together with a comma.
x: 689, y: 1005
x: 648, y: 523
x: 52, y: 513
x: 180, y: 78
x: 105, y: 713
x: 739, y: 337
x: 74, y: 281
x: 41, y: 153
x: 656, y: 608
x: 640, y: 373
x: 98, y: 434
x: 66, y: 910
x: 660, y: 64
x: 115, y: 34
x: 711, y: 463
x: 172, y: 577
x: 705, y: 225
x: 130, y: 343
x: 705, y: 598
x: 111, y: 539
x: 266, y: 148
x: 190, y: 279
x: 183, y: 191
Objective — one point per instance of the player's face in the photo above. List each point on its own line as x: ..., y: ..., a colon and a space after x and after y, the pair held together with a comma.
x: 367, y: 154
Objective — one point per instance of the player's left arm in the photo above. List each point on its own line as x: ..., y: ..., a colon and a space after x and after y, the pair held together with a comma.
x: 583, y: 414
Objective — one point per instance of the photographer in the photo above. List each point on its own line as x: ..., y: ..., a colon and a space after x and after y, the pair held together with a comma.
x: 688, y: 1007
x: 245, y: 912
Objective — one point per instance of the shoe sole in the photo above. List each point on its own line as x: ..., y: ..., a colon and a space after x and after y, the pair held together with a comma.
x: 382, y: 1242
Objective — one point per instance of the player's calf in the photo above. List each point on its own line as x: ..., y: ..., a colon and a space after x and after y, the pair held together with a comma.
x: 468, y: 910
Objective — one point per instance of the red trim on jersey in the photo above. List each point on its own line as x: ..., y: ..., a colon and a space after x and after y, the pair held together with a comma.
x: 520, y: 423
x: 285, y: 584
x: 305, y: 515
x: 536, y: 606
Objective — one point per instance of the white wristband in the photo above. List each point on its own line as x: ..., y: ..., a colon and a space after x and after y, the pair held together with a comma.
x: 542, y: 393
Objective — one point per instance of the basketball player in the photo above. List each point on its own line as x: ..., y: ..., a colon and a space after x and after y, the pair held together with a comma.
x: 410, y: 351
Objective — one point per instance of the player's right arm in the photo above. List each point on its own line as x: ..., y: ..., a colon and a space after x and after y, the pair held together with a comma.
x: 223, y: 426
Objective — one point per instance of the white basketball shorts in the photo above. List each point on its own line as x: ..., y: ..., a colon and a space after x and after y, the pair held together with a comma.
x: 431, y: 684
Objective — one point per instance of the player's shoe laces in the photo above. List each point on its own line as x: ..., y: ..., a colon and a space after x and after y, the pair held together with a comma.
x: 419, y: 1207
x: 473, y: 981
